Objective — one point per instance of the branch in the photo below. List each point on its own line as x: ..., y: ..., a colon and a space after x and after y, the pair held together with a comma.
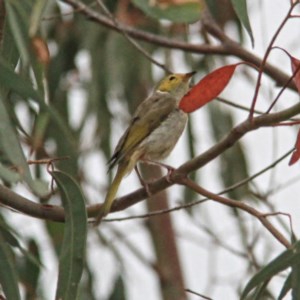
x: 236, y: 204
x: 129, y: 39
x: 56, y: 213
x: 229, y: 48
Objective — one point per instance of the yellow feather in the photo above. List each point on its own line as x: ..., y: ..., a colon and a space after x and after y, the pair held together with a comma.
x: 123, y: 169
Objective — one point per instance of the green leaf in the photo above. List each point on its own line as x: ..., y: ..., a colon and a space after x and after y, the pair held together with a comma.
x: 8, y: 47
x: 296, y: 279
x: 118, y: 292
x: 16, y: 28
x: 72, y: 254
x: 36, y: 16
x: 8, y: 175
x: 240, y: 8
x: 286, y: 287
x: 12, y: 81
x: 30, y: 271
x: 280, y: 263
x: 183, y: 13
x: 9, y: 144
x: 9, y: 235
x: 8, y: 275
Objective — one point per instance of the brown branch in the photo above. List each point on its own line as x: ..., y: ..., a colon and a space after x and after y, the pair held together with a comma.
x: 197, y: 202
x: 236, y: 204
x: 56, y: 213
x: 229, y: 47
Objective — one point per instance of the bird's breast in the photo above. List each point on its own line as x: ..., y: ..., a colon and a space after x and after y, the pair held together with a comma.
x: 163, y: 139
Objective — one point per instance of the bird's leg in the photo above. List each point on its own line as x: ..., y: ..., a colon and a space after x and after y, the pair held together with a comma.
x: 156, y: 163
x: 142, y: 181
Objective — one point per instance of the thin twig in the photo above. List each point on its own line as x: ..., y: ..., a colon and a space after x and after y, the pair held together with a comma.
x: 236, y: 204
x: 229, y: 48
x: 197, y: 294
x: 279, y: 213
x: 129, y: 39
x: 264, y: 60
x: 197, y: 202
x: 56, y: 213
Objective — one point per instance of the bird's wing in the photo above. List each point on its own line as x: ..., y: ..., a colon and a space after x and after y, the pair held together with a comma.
x: 147, y: 117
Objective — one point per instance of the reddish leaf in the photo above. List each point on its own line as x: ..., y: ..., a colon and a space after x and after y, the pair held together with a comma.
x: 296, y: 68
x: 207, y: 89
x: 296, y: 154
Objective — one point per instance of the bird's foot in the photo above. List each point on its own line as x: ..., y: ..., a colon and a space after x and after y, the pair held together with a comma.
x: 102, y: 213
x: 143, y: 182
x: 169, y: 168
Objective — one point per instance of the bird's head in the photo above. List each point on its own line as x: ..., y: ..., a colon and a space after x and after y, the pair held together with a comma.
x: 175, y: 84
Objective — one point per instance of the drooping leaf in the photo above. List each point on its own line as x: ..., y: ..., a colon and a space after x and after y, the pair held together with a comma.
x: 296, y: 278
x: 296, y: 68
x: 9, y: 175
x: 295, y: 65
x: 207, y: 89
x: 296, y: 154
x: 30, y: 271
x: 36, y: 15
x: 286, y: 287
x: 72, y: 254
x: 240, y: 7
x: 285, y: 260
x: 184, y: 12
x: 10, y: 80
x: 8, y: 275
x: 17, y: 28
x: 118, y: 292
x: 10, y: 145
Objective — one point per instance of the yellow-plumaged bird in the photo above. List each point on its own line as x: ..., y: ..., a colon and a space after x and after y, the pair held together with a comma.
x: 152, y: 133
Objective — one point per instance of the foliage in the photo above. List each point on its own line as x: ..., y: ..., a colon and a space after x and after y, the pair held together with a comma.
x: 71, y: 74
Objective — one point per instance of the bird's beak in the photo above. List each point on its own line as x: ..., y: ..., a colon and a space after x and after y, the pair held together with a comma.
x: 187, y: 76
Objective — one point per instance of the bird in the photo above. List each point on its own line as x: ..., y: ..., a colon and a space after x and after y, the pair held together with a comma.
x: 152, y: 133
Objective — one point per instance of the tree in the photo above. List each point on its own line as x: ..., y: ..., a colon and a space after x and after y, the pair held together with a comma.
x: 71, y: 74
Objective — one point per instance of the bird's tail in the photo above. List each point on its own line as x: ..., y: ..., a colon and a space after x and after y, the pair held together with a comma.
x: 113, y: 189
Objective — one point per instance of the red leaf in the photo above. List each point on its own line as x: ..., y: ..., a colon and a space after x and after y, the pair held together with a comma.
x: 296, y: 67
x: 207, y: 89
x: 296, y: 154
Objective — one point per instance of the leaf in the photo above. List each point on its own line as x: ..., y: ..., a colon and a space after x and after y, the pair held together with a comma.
x: 296, y: 70
x: 36, y: 15
x: 280, y: 263
x: 118, y: 292
x: 286, y: 287
x: 296, y: 279
x: 9, y: 175
x: 295, y: 64
x: 30, y: 270
x: 10, y: 80
x: 17, y: 30
x: 10, y: 145
x: 240, y: 7
x: 8, y: 275
x: 185, y: 12
x: 207, y: 89
x: 296, y: 154
x: 9, y: 235
x: 71, y: 261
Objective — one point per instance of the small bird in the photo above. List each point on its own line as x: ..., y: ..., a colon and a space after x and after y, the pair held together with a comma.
x: 152, y: 133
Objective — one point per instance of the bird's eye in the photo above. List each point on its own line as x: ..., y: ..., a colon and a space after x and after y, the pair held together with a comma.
x: 172, y: 78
